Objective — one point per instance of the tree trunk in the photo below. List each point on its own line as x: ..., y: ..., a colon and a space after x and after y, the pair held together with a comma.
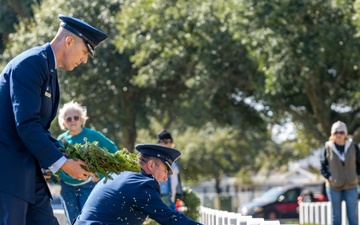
x: 128, y: 122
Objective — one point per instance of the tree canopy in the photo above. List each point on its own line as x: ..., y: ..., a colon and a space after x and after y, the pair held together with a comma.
x: 10, y: 13
x: 308, y: 52
x: 219, y: 74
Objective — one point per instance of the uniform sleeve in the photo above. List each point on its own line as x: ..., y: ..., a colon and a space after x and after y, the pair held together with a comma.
x: 324, y: 164
x: 25, y: 89
x: 152, y: 205
x: 57, y: 165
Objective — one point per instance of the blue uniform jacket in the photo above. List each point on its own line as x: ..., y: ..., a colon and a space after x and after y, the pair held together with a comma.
x: 29, y: 99
x: 128, y: 199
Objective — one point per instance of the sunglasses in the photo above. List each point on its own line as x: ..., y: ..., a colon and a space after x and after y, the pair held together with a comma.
x: 75, y: 118
x: 339, y: 132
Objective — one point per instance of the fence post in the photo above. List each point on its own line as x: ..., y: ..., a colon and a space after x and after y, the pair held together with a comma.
x: 301, y: 213
x: 329, y: 212
x: 243, y: 220
x: 217, y: 217
x: 311, y: 214
x: 255, y: 221
x: 323, y: 217
x: 343, y: 213
x: 317, y: 213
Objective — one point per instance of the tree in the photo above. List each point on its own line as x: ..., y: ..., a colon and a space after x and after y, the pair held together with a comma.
x: 115, y: 104
x: 308, y: 52
x: 10, y: 12
x: 199, y: 67
x: 185, y: 52
x: 214, y: 152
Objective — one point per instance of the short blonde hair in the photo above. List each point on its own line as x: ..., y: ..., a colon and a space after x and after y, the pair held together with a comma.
x: 71, y: 106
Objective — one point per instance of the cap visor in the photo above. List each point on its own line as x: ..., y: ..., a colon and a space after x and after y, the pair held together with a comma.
x: 169, y: 168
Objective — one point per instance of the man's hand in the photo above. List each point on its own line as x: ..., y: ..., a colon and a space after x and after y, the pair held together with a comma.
x: 95, y: 178
x: 73, y: 168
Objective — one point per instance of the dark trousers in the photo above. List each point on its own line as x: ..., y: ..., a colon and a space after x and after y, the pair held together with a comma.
x: 16, y: 211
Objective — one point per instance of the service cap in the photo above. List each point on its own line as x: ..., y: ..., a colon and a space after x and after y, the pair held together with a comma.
x: 167, y: 155
x: 91, y: 36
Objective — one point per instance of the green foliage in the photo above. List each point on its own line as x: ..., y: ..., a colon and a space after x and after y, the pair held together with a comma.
x: 307, y: 50
x: 226, y: 149
x: 10, y: 13
x: 100, y: 161
x: 192, y: 203
x: 221, y: 74
x: 244, y: 176
x: 104, y: 83
x: 184, y: 49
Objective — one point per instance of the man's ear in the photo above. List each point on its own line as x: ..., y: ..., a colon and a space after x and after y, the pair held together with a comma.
x: 69, y: 40
x: 151, y: 165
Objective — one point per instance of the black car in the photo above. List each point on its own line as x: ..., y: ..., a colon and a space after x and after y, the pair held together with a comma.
x: 278, y: 202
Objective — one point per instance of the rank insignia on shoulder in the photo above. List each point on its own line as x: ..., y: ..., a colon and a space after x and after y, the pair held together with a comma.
x: 47, y: 94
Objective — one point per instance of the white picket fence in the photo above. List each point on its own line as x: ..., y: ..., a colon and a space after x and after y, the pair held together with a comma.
x: 208, y: 217
x: 218, y: 217
x: 320, y: 213
x: 309, y: 213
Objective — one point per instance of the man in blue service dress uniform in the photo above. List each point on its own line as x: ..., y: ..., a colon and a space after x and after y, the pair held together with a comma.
x: 131, y: 197
x: 29, y: 98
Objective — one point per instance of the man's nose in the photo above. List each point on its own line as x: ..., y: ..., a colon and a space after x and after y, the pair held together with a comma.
x: 85, y: 59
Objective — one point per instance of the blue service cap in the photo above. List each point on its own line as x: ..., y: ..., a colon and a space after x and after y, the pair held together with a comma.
x: 91, y: 36
x: 167, y: 155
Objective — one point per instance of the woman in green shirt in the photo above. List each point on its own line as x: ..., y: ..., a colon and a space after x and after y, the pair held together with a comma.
x: 74, y: 193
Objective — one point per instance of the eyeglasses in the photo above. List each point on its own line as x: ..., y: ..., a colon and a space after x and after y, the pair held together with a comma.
x: 339, y: 132
x: 70, y: 118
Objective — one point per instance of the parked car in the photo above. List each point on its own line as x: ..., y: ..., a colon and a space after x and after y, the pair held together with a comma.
x: 318, y: 192
x: 314, y: 192
x: 281, y: 202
